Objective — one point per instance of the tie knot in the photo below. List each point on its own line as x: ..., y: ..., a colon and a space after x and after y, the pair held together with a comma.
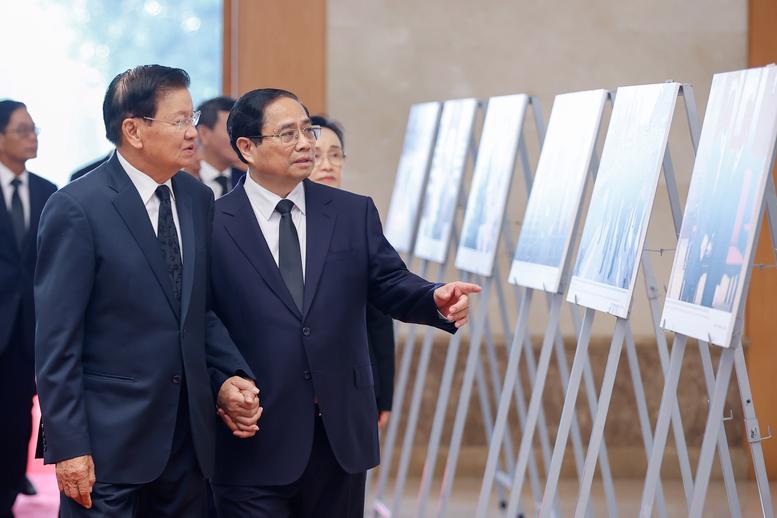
x: 15, y: 183
x: 284, y: 207
x: 163, y: 192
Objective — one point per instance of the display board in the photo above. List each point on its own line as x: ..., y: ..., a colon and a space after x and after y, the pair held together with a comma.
x: 449, y: 161
x: 491, y: 183
x: 614, y: 232
x: 557, y: 191
x: 716, y: 242
x: 411, y: 175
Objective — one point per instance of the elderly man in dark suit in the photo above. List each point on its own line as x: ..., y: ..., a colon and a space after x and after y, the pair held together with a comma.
x: 128, y: 358
x: 299, y: 262
x: 23, y: 197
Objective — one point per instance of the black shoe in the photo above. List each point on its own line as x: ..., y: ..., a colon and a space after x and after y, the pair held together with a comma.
x: 27, y: 488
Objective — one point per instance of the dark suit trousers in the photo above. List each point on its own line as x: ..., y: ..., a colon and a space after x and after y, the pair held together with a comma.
x: 179, y: 492
x: 17, y: 386
x: 325, y: 490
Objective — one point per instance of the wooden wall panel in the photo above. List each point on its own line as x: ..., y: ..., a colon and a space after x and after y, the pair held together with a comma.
x: 275, y: 44
x: 761, y: 314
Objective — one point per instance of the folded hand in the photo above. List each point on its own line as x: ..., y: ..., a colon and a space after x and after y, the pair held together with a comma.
x: 238, y: 402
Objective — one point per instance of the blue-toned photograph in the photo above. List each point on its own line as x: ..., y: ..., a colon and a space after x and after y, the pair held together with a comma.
x: 611, y: 244
x: 558, y: 187
x: 442, y: 189
x: 724, y: 201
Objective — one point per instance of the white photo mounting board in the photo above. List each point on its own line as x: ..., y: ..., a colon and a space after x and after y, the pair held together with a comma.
x: 615, y: 228
x: 445, y: 174
x: 557, y: 191
x: 491, y: 180
x: 717, y: 239
x: 411, y: 175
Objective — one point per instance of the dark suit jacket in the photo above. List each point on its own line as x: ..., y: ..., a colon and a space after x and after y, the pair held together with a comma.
x: 237, y: 174
x: 17, y: 267
x: 90, y: 167
x: 320, y: 352
x: 112, y: 350
x: 380, y: 337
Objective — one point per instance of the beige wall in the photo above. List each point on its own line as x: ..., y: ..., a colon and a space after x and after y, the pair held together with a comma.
x: 383, y: 56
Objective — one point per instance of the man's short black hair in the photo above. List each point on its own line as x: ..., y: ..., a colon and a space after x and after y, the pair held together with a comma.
x: 326, y: 122
x: 135, y: 92
x: 209, y: 110
x: 7, y: 107
x: 246, y: 118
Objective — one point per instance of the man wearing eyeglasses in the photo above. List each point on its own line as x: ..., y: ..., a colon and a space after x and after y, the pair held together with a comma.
x: 23, y: 197
x: 299, y: 262
x: 129, y: 362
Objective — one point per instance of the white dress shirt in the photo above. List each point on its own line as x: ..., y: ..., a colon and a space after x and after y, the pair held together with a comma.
x: 146, y: 187
x: 208, y: 175
x: 6, y: 177
x: 263, y: 203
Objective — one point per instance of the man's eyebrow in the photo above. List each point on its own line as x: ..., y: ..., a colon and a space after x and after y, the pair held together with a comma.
x: 293, y: 124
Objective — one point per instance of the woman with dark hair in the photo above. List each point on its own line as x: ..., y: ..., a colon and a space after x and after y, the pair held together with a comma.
x: 328, y: 168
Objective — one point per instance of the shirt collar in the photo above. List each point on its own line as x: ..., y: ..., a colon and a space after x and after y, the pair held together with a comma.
x: 7, y: 176
x: 208, y: 173
x: 265, y: 201
x: 145, y: 185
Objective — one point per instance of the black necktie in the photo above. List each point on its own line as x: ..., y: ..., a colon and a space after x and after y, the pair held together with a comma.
x: 222, y: 181
x: 289, y: 256
x: 168, y: 241
x: 17, y: 213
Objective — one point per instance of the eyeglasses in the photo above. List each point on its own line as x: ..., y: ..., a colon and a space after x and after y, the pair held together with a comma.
x: 24, y: 131
x: 180, y: 124
x: 291, y: 136
x: 335, y: 157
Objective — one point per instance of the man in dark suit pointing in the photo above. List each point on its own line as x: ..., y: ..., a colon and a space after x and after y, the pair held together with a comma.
x: 128, y: 359
x: 299, y: 262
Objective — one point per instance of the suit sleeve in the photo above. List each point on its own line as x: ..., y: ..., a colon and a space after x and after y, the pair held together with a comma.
x: 380, y: 335
x: 392, y: 288
x: 222, y: 355
x: 64, y: 276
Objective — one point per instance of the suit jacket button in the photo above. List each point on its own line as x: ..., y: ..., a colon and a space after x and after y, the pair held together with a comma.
x: 176, y: 379
x: 307, y: 375
x: 305, y: 331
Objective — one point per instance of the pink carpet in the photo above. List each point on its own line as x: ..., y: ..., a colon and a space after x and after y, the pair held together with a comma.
x: 46, y: 503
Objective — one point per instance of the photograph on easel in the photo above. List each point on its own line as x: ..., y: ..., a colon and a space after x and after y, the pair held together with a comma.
x: 411, y: 175
x: 491, y: 183
x: 724, y: 204
x: 622, y: 199
x: 445, y: 174
x: 557, y: 191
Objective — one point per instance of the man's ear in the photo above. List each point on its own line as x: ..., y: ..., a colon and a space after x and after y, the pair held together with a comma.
x: 244, y: 145
x: 132, y: 132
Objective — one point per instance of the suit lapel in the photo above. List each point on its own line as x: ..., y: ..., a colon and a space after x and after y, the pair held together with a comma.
x: 244, y: 230
x: 131, y: 209
x: 320, y: 223
x: 183, y: 203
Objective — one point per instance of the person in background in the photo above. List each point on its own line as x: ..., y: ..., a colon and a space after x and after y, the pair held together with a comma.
x: 23, y: 197
x: 328, y: 170
x: 91, y: 166
x: 217, y: 169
